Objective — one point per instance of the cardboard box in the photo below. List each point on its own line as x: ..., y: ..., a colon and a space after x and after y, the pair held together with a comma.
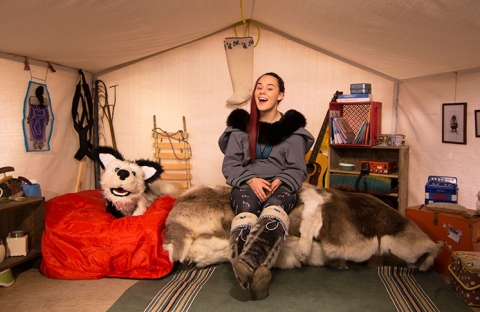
x: 441, y: 189
x: 361, y: 88
x: 465, y: 270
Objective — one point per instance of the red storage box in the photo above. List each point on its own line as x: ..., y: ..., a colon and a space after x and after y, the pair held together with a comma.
x: 451, y: 230
x: 465, y: 270
x: 356, y: 113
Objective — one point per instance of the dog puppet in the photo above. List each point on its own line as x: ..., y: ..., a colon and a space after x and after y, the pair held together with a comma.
x: 129, y: 187
x: 328, y: 227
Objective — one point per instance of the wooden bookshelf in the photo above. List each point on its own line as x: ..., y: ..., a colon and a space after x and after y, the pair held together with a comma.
x: 355, y: 154
x: 27, y: 215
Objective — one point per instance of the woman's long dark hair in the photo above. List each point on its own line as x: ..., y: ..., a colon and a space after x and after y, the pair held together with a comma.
x: 254, y: 123
x: 39, y: 95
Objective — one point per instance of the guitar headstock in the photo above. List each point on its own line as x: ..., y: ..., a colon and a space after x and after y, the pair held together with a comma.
x: 335, y: 96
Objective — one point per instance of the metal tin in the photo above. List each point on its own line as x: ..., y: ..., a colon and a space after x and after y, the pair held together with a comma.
x: 356, y: 88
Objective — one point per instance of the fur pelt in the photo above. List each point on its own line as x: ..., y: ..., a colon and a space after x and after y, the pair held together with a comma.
x: 269, y: 133
x: 328, y: 227
x: 129, y: 187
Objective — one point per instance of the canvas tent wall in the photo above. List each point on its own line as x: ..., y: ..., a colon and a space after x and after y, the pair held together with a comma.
x: 317, y: 46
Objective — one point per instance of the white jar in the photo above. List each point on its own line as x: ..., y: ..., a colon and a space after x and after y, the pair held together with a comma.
x: 17, y: 244
x: 2, y: 251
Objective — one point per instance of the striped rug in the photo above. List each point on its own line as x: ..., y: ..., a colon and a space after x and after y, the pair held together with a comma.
x: 403, y: 289
x: 181, y: 291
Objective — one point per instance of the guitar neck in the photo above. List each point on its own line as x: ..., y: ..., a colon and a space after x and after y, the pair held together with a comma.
x: 318, y: 142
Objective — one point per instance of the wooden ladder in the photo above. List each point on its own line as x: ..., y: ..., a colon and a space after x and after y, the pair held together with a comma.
x: 172, y: 150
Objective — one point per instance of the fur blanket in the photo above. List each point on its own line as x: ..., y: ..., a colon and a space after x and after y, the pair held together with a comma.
x: 328, y: 227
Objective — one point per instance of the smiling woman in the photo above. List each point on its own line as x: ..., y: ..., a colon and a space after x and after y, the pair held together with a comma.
x: 264, y: 163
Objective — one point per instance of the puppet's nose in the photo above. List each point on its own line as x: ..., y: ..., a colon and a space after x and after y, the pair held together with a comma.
x: 123, y: 174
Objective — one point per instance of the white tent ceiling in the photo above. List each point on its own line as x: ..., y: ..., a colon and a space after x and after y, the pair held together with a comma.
x: 399, y: 39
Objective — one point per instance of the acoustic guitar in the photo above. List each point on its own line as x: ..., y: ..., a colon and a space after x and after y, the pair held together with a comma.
x: 317, y: 163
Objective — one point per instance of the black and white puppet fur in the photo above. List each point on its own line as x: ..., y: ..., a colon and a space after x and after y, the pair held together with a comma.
x: 129, y: 187
x: 328, y: 227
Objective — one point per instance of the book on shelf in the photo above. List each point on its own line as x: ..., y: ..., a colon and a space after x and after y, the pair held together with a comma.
x: 359, y: 137
x: 363, y: 134
x: 346, y: 130
x: 366, y: 134
x: 342, y: 133
x: 336, y: 136
x: 356, y: 97
x: 333, y: 131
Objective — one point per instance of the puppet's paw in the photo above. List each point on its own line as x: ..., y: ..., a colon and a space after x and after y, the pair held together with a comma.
x: 139, y: 211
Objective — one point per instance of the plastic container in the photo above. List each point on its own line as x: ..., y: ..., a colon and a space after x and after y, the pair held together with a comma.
x: 6, y: 278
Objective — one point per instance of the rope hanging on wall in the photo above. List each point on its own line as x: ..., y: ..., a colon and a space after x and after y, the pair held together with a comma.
x: 50, y: 68
x: 107, y: 108
x: 173, y: 151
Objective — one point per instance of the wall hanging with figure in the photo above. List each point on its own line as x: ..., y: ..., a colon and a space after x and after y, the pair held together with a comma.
x: 37, y: 118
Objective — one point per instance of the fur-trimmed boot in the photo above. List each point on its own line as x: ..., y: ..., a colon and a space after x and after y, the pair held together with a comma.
x: 241, y: 226
x: 261, y: 251
x: 239, y: 52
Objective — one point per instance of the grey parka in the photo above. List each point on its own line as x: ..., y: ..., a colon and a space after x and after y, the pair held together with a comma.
x: 280, y: 152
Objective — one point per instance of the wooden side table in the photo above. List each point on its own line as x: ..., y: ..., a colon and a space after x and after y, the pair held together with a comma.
x: 27, y: 215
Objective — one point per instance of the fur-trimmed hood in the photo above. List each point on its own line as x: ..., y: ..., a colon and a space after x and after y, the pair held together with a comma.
x: 269, y: 134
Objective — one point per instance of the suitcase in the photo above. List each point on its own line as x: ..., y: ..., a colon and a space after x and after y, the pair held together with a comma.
x: 465, y: 270
x: 451, y: 231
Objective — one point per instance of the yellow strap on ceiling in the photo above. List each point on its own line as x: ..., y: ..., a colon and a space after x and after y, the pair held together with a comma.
x: 247, y: 22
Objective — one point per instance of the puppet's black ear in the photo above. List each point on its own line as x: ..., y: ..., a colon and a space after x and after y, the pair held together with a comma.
x: 105, y: 154
x: 151, y: 170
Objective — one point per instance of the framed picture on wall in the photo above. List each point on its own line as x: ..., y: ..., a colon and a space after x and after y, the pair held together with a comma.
x: 454, y: 123
x: 477, y: 123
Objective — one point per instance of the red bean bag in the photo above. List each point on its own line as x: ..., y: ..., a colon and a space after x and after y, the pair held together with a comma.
x: 82, y: 241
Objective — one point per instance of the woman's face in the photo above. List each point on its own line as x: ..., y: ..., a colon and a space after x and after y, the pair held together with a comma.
x: 267, y: 93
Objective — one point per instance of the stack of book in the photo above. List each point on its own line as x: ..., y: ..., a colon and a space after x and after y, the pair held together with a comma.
x: 342, y: 133
x: 355, y: 97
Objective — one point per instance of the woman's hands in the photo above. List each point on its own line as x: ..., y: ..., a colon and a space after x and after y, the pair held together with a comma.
x: 262, y: 188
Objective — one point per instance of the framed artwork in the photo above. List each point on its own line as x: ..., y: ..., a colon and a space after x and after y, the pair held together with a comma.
x: 454, y: 123
x: 477, y: 123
